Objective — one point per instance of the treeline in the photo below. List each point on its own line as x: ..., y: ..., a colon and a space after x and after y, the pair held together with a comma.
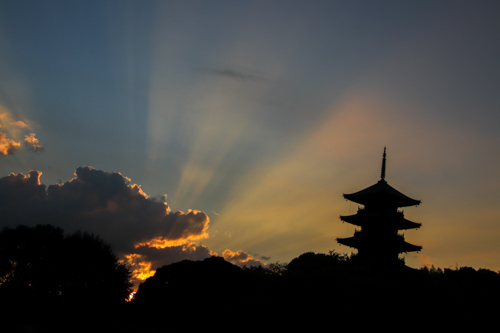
x: 49, y: 279
x: 317, y: 284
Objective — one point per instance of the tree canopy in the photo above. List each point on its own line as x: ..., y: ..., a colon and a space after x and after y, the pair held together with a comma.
x: 40, y: 265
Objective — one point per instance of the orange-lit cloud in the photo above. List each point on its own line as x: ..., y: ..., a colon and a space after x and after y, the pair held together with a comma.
x: 141, y: 269
x: 8, y: 146
x: 163, y: 242
x: 146, y: 259
x: 240, y: 258
x: 11, y: 135
x: 32, y: 143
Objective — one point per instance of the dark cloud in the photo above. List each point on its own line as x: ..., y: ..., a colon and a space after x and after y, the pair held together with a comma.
x: 108, y: 204
x: 168, y: 255
x: 23, y: 199
x: 142, y: 230
x: 101, y: 202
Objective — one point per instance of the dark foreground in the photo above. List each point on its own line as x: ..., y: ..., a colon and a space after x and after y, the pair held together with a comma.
x: 313, y: 292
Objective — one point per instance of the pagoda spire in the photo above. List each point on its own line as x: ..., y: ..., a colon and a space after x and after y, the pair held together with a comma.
x: 382, y: 174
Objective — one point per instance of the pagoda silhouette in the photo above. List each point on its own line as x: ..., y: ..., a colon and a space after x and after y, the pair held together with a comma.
x: 378, y: 241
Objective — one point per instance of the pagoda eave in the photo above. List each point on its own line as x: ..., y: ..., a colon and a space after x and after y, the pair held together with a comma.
x: 379, y: 193
x: 397, y: 244
x: 396, y: 221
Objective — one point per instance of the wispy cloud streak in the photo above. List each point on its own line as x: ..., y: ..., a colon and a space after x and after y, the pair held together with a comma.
x: 235, y: 74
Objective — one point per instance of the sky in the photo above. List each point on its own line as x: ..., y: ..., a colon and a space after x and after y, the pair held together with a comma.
x: 183, y: 129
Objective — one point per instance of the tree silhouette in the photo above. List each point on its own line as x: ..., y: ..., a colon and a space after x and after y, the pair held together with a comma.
x: 92, y: 270
x: 30, y: 262
x: 43, y: 272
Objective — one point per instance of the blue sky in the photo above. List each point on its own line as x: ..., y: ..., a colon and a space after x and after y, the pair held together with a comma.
x: 261, y: 114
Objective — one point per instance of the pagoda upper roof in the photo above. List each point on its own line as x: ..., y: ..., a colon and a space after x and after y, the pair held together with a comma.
x: 381, y: 193
x: 397, y: 219
x: 360, y: 240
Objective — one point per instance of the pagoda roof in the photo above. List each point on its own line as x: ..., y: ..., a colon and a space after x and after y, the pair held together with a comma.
x: 397, y: 242
x: 381, y: 193
x: 396, y: 219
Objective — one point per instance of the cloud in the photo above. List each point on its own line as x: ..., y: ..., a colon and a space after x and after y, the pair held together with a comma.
x: 11, y: 135
x: 20, y: 124
x: 146, y: 259
x: 32, y: 143
x: 141, y: 268
x: 240, y: 258
x: 22, y: 199
x: 107, y: 203
x: 425, y: 260
x: 8, y: 146
x: 143, y: 230
x: 235, y: 74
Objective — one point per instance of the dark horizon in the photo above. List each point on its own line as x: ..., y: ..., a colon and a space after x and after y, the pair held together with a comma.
x: 314, y: 288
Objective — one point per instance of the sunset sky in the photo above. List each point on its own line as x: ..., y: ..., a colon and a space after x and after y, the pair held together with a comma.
x: 253, y: 118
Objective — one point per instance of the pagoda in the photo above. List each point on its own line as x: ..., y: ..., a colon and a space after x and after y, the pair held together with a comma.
x: 380, y: 220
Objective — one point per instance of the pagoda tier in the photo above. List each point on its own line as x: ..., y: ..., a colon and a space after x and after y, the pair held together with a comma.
x: 382, y: 219
x: 381, y: 194
x: 362, y: 240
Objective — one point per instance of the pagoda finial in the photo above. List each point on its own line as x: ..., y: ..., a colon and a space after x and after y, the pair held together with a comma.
x: 382, y: 174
